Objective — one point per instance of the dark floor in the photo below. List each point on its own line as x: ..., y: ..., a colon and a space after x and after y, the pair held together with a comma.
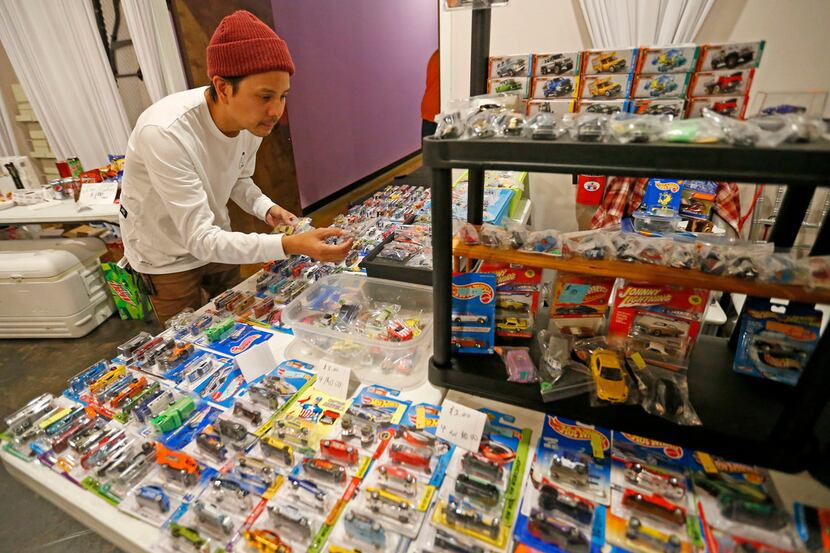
x: 29, y: 368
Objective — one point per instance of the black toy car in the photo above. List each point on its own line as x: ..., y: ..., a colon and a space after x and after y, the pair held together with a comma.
x: 551, y: 499
x: 477, y: 489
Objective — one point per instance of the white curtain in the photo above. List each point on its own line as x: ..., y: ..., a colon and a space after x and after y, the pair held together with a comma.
x: 620, y: 23
x: 56, y: 51
x: 8, y: 146
x: 155, y: 46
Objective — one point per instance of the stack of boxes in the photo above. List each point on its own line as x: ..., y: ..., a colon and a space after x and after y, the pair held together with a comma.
x: 679, y: 80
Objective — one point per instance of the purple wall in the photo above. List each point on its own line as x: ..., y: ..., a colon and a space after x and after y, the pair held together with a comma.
x: 355, y: 100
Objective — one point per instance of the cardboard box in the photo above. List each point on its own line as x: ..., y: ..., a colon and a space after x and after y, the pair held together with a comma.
x: 721, y: 83
x: 607, y: 87
x: 669, y: 85
x: 730, y: 55
x: 620, y: 60
x: 681, y: 58
x: 83, y: 231
x: 556, y: 64
x: 674, y: 107
x: 559, y: 107
x: 731, y: 106
x: 608, y: 107
x: 554, y: 87
x: 509, y: 66
x: 515, y: 85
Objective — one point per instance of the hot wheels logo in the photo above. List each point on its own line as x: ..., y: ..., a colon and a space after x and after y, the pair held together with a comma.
x: 245, y: 344
x: 122, y: 293
x: 377, y: 402
x: 669, y: 186
x: 479, y: 290
x: 671, y: 451
x: 230, y: 390
x: 428, y: 422
x: 575, y: 432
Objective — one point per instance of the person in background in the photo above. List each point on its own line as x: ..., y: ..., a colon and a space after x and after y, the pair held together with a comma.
x: 192, y: 152
x: 431, y: 103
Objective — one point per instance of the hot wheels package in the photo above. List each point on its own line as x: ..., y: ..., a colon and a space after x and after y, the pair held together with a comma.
x: 474, y: 311
x: 152, y: 500
x: 215, y: 520
x: 361, y: 529
x: 178, y: 536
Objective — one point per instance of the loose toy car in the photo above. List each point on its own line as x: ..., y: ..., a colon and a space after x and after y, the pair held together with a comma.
x: 655, y: 506
x: 364, y: 529
x: 556, y: 64
x: 152, y: 496
x: 559, y: 86
x: 604, y: 87
x: 608, y: 62
x: 210, y: 515
x: 551, y: 530
x: 609, y: 377
x: 668, y: 60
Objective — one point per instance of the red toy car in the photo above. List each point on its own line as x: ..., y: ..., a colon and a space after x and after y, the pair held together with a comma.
x: 724, y: 84
x: 397, y: 478
x: 467, y: 343
x: 402, y: 454
x: 727, y: 108
x: 655, y: 506
x: 654, y: 480
x: 340, y: 450
x: 496, y: 452
x: 399, y: 332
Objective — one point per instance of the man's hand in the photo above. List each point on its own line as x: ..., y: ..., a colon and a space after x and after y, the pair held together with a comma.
x: 279, y: 216
x: 312, y: 244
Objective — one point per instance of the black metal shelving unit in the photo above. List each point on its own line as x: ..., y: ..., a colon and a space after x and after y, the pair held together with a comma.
x: 744, y: 419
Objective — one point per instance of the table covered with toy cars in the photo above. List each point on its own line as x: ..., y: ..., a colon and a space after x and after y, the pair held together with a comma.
x: 212, y: 437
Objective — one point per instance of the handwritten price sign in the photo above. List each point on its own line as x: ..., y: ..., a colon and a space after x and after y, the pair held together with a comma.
x: 461, y: 425
x: 333, y: 379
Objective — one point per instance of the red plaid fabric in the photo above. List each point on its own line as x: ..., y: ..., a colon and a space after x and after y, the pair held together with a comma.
x: 623, y: 195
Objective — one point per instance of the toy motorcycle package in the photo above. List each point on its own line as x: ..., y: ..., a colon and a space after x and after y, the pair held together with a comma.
x: 735, y: 500
x: 481, y: 490
x: 775, y: 340
x: 473, y: 312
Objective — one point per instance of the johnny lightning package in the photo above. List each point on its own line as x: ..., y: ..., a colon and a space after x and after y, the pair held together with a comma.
x: 621, y: 60
x: 721, y: 83
x: 730, y: 55
x: 556, y: 64
x: 575, y: 457
x: 660, y: 86
x: 604, y: 87
x: 674, y: 107
x: 556, y: 107
x: 509, y: 66
x: 776, y: 340
x: 738, y: 502
x: 554, y: 87
x: 474, y: 303
x: 514, y: 85
x: 729, y: 106
x: 629, y: 127
x: 680, y: 58
x: 475, y: 500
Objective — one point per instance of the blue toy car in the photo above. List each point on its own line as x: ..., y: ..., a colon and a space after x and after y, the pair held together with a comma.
x: 365, y: 529
x: 783, y: 109
x: 668, y: 60
x: 661, y: 85
x: 559, y: 86
x: 153, y: 496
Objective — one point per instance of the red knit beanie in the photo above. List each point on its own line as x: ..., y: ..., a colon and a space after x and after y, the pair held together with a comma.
x: 243, y: 45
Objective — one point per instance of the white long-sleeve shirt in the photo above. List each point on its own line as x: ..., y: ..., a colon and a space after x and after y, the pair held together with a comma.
x: 179, y: 173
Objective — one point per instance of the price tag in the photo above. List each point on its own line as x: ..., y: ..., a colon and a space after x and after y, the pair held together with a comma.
x: 96, y: 193
x: 256, y: 361
x: 333, y: 379
x: 461, y: 425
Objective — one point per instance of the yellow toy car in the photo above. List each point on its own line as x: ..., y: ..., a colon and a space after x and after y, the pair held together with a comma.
x: 608, y: 62
x: 108, y: 379
x: 608, y: 376
x: 272, y: 447
x: 604, y: 87
x: 513, y: 324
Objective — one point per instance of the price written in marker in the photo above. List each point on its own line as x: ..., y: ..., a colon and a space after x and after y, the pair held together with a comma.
x: 333, y: 379
x: 461, y: 425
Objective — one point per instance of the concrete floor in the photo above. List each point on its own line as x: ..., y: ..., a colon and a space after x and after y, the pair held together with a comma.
x: 29, y: 368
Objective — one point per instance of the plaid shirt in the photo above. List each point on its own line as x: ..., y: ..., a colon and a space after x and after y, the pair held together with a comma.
x: 623, y: 195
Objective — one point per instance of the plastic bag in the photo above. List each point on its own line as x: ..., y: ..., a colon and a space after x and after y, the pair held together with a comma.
x: 466, y: 232
x: 735, y: 131
x: 510, y: 123
x: 493, y: 236
x: 665, y: 394
x: 589, y: 127
x: 697, y: 130
x: 817, y: 271
x: 683, y: 255
x: 792, y: 127
x: 632, y: 247
x: 782, y: 268
x: 543, y: 126
x: 590, y: 244
x: 520, y: 367
x: 544, y: 241
x: 630, y: 127
x: 481, y: 125
x: 450, y: 125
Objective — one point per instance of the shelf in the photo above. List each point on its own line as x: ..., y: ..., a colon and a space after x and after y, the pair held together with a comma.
x: 642, y: 272
x: 786, y: 164
x: 726, y: 402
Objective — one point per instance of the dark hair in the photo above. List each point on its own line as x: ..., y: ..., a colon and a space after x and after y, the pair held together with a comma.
x: 234, y: 86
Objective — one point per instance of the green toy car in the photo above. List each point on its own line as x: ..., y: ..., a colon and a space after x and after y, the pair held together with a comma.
x: 174, y: 416
x: 508, y: 85
x: 220, y: 330
x: 191, y: 535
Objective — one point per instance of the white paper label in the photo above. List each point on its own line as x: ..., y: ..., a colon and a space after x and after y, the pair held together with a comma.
x: 256, y: 361
x: 93, y: 193
x: 461, y: 425
x: 333, y: 379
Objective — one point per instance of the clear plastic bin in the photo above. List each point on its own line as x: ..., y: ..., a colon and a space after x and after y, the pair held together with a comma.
x: 646, y: 223
x: 356, y: 321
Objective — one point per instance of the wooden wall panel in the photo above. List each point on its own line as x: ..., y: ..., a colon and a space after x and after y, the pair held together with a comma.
x: 275, y: 173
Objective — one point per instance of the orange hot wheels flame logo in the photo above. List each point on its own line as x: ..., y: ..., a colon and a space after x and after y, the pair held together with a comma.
x: 245, y: 344
x: 668, y: 186
x: 671, y: 451
x: 479, y: 290
x: 377, y: 402
x: 577, y: 432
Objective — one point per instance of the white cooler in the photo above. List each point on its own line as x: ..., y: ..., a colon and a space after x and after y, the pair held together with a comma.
x: 52, y: 288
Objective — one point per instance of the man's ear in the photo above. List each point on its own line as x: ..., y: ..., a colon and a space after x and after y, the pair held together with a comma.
x: 223, y: 89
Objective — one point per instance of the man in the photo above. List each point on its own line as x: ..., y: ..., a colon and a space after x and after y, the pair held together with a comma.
x: 193, y: 151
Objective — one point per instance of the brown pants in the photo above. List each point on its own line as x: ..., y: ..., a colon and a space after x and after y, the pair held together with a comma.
x: 176, y: 291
